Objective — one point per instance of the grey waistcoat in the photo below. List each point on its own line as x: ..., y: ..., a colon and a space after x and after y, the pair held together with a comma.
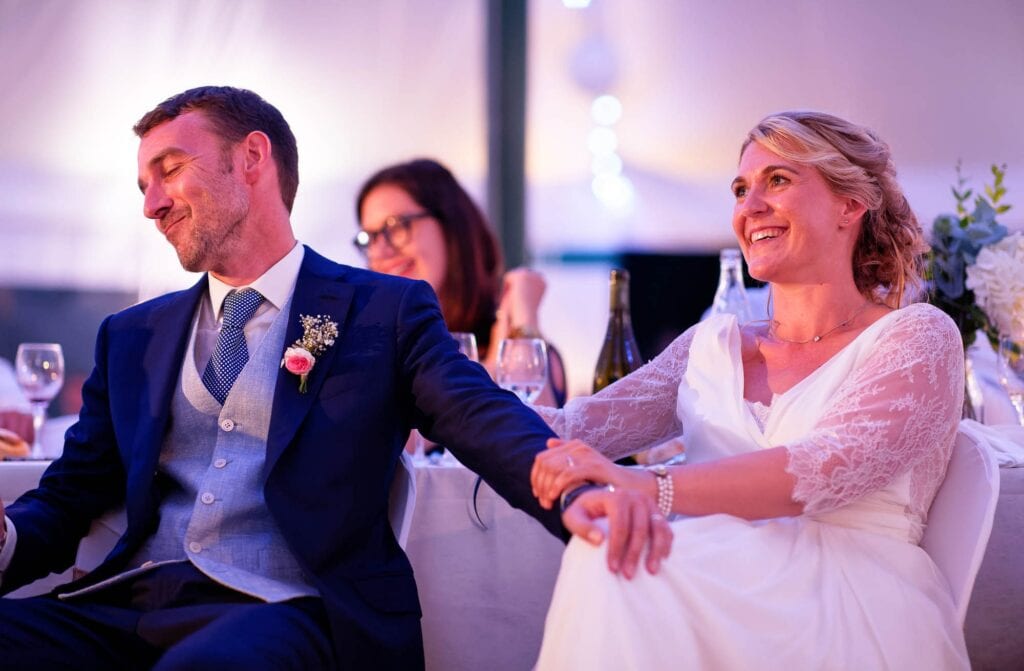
x: 214, y: 514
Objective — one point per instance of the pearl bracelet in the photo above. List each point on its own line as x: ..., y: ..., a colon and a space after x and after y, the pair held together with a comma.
x: 666, y: 488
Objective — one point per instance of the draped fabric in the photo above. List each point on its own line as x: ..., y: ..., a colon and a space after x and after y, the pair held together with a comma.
x: 842, y: 586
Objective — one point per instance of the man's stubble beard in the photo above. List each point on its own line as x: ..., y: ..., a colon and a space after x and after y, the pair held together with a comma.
x: 209, y: 241
x: 207, y: 247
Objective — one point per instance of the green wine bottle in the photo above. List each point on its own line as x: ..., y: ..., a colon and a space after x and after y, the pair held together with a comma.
x: 620, y: 354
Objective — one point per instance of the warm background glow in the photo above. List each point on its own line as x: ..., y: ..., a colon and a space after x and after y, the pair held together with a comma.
x: 368, y: 83
x: 940, y: 81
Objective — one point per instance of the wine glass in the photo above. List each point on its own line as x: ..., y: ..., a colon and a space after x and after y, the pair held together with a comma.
x: 1011, y: 372
x: 522, y: 367
x: 436, y: 454
x: 39, y: 368
x: 467, y: 345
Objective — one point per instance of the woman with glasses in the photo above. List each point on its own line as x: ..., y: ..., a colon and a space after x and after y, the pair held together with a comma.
x: 416, y: 220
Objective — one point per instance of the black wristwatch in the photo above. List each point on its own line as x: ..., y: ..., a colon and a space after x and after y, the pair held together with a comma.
x: 571, y: 495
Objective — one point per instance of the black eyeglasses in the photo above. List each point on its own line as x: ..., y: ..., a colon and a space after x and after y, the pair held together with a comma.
x: 395, y: 231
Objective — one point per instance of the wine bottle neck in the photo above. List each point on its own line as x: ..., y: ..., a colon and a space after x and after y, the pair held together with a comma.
x: 730, y: 275
x: 618, y: 298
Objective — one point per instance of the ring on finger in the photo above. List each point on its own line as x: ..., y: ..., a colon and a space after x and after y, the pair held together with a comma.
x: 657, y: 517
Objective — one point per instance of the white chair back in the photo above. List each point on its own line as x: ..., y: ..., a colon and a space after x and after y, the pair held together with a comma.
x: 960, y: 519
x: 402, y: 499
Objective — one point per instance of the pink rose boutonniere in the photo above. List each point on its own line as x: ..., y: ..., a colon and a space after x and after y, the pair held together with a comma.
x: 318, y: 333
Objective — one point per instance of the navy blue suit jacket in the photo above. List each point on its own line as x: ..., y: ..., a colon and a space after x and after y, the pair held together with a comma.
x: 331, y: 452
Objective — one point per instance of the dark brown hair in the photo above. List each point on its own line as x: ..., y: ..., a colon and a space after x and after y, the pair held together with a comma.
x: 472, y: 280
x: 234, y: 113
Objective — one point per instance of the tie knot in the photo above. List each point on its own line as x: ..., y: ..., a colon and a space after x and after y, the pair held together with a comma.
x: 240, y: 306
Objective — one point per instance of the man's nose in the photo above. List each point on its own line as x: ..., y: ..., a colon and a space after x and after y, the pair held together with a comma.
x: 156, y: 202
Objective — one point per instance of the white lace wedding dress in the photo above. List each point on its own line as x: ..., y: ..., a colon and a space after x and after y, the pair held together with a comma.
x: 842, y: 586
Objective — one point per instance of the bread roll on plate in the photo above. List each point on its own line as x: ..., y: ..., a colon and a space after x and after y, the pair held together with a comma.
x: 12, y: 446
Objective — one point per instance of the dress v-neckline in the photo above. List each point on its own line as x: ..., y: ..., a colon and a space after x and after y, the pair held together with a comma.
x: 806, y: 379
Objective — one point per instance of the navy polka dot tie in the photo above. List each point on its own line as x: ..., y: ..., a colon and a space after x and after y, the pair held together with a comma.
x: 230, y: 354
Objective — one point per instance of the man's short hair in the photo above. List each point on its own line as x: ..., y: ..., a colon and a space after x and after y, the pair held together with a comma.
x: 234, y: 113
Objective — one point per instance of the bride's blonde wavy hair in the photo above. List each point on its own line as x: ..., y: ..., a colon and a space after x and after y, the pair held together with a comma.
x: 889, y: 253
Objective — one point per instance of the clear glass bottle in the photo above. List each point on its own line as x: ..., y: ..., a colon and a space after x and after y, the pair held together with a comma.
x: 620, y: 354
x: 731, y: 296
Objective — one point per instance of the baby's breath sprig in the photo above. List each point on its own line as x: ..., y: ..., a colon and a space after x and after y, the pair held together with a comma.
x: 318, y: 333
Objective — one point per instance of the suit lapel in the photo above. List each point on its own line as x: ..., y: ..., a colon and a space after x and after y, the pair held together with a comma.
x: 319, y: 290
x: 168, y: 332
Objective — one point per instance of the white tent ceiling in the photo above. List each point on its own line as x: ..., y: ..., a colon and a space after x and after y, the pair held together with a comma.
x: 367, y: 83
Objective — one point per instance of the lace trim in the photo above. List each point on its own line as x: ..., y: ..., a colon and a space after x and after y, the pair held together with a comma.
x: 760, y: 411
x: 635, y: 413
x: 897, y: 412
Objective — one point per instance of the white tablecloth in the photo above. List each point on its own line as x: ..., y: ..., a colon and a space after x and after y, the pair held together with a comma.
x: 485, y: 583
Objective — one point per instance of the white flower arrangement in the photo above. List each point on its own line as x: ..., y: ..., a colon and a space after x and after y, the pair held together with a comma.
x: 997, y: 280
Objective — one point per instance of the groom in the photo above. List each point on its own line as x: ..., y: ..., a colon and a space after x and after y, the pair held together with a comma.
x: 256, y: 497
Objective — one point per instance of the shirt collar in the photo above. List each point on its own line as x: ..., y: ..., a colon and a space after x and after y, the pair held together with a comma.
x: 276, y: 284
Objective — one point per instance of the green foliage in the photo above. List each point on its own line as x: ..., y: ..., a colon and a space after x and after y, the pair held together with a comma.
x: 956, y: 241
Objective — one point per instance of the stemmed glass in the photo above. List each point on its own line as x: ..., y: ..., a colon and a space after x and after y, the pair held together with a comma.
x: 39, y: 368
x: 1011, y: 372
x: 467, y: 345
x: 522, y: 367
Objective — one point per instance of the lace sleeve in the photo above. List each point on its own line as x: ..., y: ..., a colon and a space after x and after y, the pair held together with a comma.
x: 636, y: 412
x: 897, y: 412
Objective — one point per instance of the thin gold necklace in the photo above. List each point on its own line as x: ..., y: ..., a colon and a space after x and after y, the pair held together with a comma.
x: 772, y: 324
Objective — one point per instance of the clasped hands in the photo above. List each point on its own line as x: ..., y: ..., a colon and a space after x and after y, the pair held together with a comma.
x: 629, y: 504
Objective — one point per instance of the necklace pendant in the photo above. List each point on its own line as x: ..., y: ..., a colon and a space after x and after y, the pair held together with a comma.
x: 815, y: 338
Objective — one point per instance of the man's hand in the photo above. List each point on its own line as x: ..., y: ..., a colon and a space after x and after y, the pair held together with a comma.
x: 566, y: 464
x: 633, y: 524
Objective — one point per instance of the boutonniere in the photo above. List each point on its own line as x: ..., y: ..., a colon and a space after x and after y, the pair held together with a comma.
x: 318, y: 333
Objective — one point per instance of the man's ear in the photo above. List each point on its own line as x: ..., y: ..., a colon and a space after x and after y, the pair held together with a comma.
x: 256, y: 156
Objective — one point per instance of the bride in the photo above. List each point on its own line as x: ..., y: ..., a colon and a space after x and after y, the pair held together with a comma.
x: 815, y: 444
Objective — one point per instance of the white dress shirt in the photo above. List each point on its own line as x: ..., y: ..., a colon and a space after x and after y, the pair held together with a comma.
x: 276, y: 285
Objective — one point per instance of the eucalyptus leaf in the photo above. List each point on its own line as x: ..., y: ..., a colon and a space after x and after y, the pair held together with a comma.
x: 983, y: 212
x: 955, y: 245
x: 945, y: 223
